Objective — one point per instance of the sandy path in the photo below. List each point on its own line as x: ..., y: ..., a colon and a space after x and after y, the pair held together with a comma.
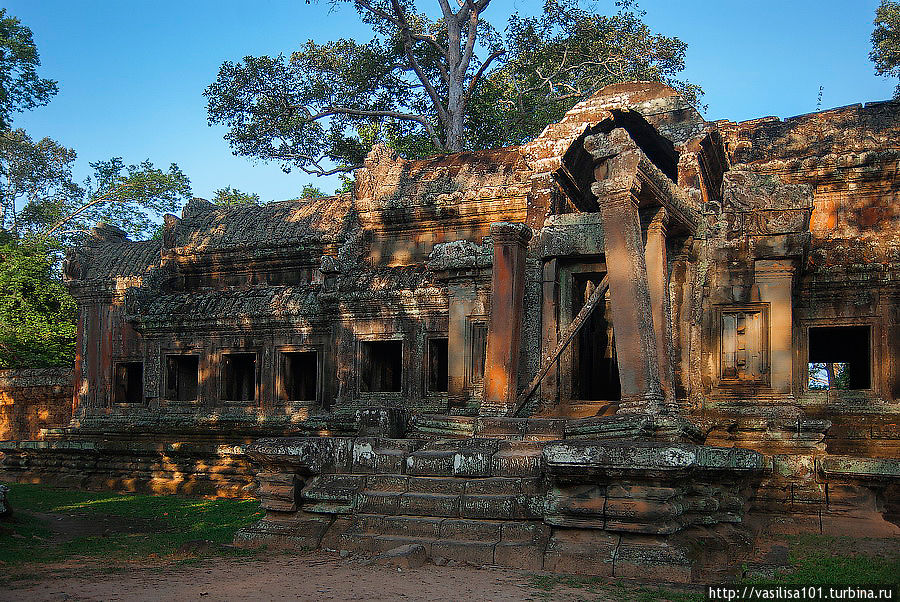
x: 303, y: 576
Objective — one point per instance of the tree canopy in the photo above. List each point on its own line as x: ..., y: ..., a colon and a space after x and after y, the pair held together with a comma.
x: 886, y: 41
x: 229, y: 197
x: 427, y: 85
x: 21, y: 88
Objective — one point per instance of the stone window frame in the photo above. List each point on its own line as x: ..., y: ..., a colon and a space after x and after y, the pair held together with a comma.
x: 280, y: 390
x: 765, y: 309
x: 358, y: 363
x: 426, y: 363
x: 875, y: 356
x: 163, y: 384
x: 129, y: 359
x: 219, y: 355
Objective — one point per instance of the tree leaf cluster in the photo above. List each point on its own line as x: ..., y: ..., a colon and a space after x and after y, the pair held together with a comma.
x: 231, y: 197
x: 43, y: 209
x: 37, y: 314
x: 886, y: 41
x: 21, y: 88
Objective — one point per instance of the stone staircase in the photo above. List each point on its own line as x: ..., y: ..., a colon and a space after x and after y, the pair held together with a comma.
x: 612, y: 508
x: 443, y: 496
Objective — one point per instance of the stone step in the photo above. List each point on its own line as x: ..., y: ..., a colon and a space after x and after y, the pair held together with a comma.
x: 436, y: 528
x: 476, y: 506
x: 523, y: 555
x: 400, y: 483
x: 332, y: 494
x: 450, y: 528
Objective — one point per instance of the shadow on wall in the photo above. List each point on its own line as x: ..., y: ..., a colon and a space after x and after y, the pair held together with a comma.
x: 35, y: 399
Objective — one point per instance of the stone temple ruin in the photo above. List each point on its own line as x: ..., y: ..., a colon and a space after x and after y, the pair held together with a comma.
x: 612, y: 350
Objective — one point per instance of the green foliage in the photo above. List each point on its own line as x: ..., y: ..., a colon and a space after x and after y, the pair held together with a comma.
x: 348, y: 185
x: 132, y: 197
x: 562, y: 57
x: 42, y: 209
x: 830, y: 560
x: 37, y: 314
x: 37, y: 178
x: 311, y: 192
x: 886, y: 41
x: 420, y: 89
x: 171, y: 520
x: 229, y: 197
x: 21, y: 88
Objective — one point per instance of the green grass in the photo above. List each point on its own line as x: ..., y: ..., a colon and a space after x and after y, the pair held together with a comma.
x: 815, y: 559
x: 828, y: 560
x: 546, y: 584
x: 163, y: 524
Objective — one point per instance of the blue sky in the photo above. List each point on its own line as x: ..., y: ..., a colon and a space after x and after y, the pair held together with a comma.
x: 132, y: 74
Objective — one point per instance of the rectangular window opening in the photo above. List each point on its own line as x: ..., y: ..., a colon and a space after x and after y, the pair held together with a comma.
x: 182, y: 376
x: 239, y: 376
x: 129, y: 382
x: 299, y: 369
x: 381, y: 366
x: 839, y: 358
x: 438, y: 363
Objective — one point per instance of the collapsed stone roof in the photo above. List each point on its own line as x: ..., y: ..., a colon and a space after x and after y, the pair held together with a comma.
x: 456, y: 196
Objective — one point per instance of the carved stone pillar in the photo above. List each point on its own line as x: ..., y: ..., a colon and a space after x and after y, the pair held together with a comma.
x: 658, y: 280
x: 629, y: 296
x: 463, y: 301
x: 774, y: 277
x: 505, y: 327
x: 549, y: 312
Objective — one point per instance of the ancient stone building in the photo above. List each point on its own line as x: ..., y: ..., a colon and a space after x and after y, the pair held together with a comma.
x: 583, y: 354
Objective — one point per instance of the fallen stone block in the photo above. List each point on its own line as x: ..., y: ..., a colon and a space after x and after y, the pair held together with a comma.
x: 410, y: 556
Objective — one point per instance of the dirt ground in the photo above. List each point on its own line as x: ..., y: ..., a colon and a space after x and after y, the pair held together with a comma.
x: 301, y: 576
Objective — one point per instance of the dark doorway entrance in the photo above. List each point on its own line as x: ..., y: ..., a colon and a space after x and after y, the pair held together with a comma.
x: 595, y: 373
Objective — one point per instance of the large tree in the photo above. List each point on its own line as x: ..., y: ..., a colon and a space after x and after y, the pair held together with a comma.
x: 886, y: 41
x: 426, y: 85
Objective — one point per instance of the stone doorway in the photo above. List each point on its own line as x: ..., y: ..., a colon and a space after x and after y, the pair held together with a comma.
x: 589, y: 372
x: 595, y: 374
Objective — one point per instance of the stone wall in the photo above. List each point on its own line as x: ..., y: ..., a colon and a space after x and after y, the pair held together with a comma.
x: 31, y: 400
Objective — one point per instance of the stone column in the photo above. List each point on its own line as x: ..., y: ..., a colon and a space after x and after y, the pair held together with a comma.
x: 658, y: 280
x: 505, y: 327
x: 774, y: 277
x: 629, y: 295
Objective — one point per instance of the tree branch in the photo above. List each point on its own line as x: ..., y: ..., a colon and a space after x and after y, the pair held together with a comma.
x: 474, y: 81
x: 420, y: 73
x: 101, y: 199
